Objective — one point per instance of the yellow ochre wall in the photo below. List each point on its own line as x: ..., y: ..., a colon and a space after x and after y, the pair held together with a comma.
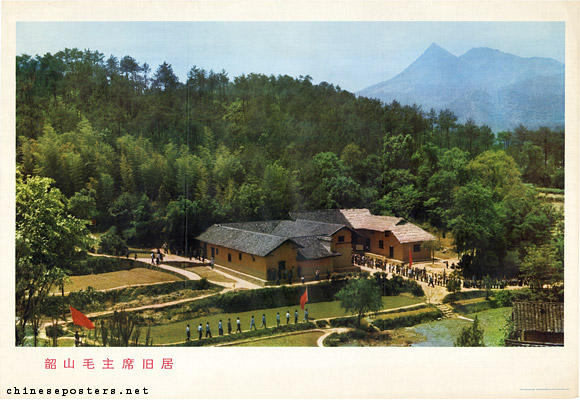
x: 344, y: 248
x: 309, y: 268
x: 400, y: 251
x: 255, y: 266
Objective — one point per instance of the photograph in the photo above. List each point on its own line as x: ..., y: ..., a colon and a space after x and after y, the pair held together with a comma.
x: 184, y: 187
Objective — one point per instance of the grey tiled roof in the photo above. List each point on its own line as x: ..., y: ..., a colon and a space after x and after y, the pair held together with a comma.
x: 313, y: 248
x: 538, y: 316
x: 302, y: 227
x: 260, y: 244
x: 263, y: 237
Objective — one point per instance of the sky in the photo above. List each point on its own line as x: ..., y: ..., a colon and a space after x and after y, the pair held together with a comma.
x: 352, y: 55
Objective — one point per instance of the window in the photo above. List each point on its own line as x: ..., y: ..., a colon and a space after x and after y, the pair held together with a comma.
x: 240, y: 256
x: 341, y: 239
x: 416, y: 248
x: 387, y: 233
x: 217, y: 251
x: 381, y: 244
x: 229, y: 257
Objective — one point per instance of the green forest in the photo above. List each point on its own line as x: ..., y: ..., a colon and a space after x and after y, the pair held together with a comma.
x: 148, y: 159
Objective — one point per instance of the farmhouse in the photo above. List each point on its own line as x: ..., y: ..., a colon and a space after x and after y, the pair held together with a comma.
x: 391, y: 237
x: 272, y: 250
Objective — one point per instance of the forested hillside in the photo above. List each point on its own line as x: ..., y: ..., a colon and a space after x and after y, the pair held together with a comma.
x: 151, y: 159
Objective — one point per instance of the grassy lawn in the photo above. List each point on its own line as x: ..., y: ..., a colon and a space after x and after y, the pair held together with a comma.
x: 210, y: 274
x: 175, y: 332
x: 109, y: 280
x: 307, y: 339
x: 443, y: 333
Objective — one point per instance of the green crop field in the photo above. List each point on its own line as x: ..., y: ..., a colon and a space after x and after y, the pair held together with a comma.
x: 175, y: 332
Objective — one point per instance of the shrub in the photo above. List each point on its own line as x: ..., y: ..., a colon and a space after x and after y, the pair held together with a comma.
x: 111, y: 243
x: 349, y: 322
x: 52, y: 329
x: 408, y: 320
x: 503, y: 298
x: 322, y: 323
x: 454, y: 297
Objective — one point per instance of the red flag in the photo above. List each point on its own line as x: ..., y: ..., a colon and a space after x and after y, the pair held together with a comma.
x: 410, y: 258
x: 304, y: 298
x: 81, y: 319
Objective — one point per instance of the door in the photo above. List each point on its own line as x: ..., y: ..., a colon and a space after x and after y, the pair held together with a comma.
x: 391, y: 252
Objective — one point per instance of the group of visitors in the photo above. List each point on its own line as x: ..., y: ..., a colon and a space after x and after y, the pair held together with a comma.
x: 207, y: 329
x: 156, y: 257
x: 421, y: 274
x: 431, y: 278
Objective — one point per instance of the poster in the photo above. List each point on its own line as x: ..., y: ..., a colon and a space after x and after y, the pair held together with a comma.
x: 382, y: 372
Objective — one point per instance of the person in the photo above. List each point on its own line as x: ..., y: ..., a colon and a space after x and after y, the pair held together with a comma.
x: 302, y: 279
x: 152, y: 258
x: 77, y: 339
x: 207, y: 330
x: 263, y: 321
x: 135, y: 256
x: 220, y: 328
x: 211, y: 263
x: 287, y: 317
x: 253, y: 324
x: 306, y: 315
x: 317, y: 275
x: 187, y: 332
x: 277, y: 319
x: 229, y: 327
x: 295, y: 316
x: 199, y: 329
x: 239, y: 329
x: 327, y: 274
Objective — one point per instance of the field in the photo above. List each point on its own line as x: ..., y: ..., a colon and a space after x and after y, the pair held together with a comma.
x: 175, y: 332
x: 210, y: 275
x: 110, y: 280
x: 307, y: 339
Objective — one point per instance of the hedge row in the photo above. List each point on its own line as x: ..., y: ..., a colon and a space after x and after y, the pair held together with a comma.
x: 408, y: 320
x: 397, y: 285
x: 336, y: 339
x: 90, y: 299
x: 348, y: 322
x: 269, y: 297
x: 250, y: 334
x: 457, y: 296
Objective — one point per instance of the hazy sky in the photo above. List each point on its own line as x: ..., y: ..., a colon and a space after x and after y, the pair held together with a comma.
x: 353, y: 55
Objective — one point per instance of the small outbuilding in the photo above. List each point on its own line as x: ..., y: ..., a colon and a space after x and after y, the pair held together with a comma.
x: 537, y: 324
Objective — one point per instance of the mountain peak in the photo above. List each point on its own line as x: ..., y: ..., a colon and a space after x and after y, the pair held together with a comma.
x: 435, y: 49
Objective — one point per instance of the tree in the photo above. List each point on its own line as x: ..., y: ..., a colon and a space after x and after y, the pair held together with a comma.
x: 471, y: 336
x: 48, y: 241
x: 432, y: 246
x: 477, y: 229
x: 541, y: 265
x: 360, y: 296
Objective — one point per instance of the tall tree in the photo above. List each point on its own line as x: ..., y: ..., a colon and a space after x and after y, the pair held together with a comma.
x: 48, y: 240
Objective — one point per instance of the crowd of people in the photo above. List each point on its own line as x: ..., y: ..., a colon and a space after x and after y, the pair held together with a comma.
x: 207, y: 329
x: 432, y: 278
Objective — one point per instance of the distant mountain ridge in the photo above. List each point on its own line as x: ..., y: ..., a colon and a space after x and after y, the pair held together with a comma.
x: 491, y: 87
